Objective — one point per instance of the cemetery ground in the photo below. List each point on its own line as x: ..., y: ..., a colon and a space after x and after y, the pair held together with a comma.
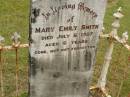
x: 14, y: 16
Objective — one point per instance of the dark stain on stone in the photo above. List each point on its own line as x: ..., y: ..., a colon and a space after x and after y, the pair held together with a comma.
x: 76, y: 68
x: 33, y: 66
x: 77, y: 65
x: 32, y: 91
x: 76, y: 85
x: 69, y: 62
x: 35, y: 14
x: 88, y: 62
x: 42, y: 69
x: 57, y: 75
x: 30, y: 40
x: 85, y: 82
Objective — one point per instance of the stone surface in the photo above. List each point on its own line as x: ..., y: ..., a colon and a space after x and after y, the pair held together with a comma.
x: 63, y: 39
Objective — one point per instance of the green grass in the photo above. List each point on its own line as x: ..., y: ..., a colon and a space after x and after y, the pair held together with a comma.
x: 14, y: 16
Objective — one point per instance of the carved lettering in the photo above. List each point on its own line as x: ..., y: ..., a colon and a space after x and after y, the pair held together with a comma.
x: 47, y: 37
x: 85, y: 27
x: 47, y: 29
x: 79, y: 42
x: 68, y: 28
x: 63, y: 36
x: 84, y: 8
x: 51, y: 44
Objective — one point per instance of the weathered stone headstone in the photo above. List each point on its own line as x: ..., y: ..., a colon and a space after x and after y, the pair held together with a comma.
x: 63, y: 39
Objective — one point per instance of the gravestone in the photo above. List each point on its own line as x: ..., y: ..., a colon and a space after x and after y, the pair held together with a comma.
x: 63, y: 39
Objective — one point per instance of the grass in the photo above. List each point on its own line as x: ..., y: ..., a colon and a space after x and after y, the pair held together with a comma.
x: 14, y: 16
